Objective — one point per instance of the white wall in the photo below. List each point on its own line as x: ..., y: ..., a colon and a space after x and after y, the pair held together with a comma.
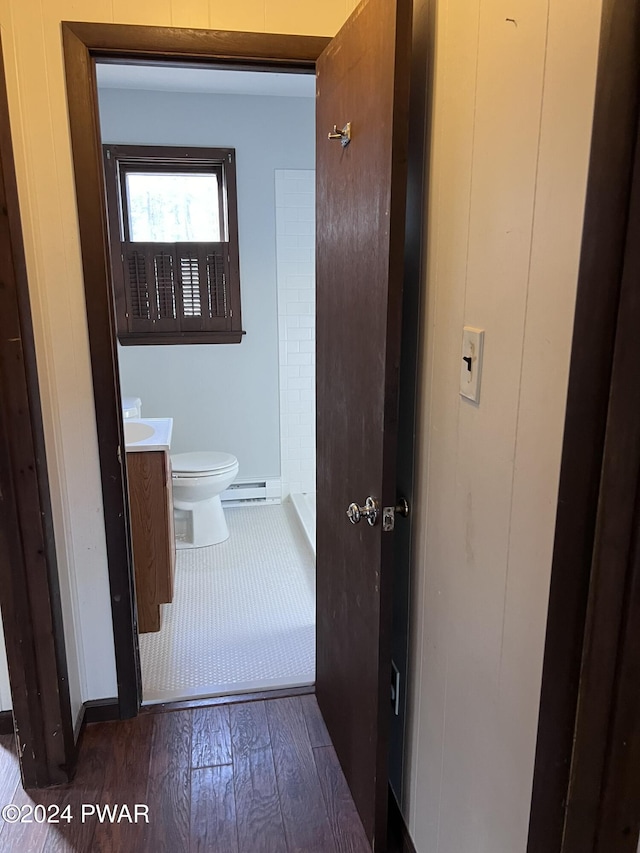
x: 295, y: 244
x: 222, y: 396
x: 512, y: 116
x: 32, y: 49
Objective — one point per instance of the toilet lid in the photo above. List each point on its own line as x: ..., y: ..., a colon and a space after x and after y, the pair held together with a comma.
x: 201, y: 462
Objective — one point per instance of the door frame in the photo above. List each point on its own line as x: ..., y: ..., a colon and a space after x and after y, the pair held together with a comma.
x: 84, y: 43
x: 582, y: 653
x: 29, y: 585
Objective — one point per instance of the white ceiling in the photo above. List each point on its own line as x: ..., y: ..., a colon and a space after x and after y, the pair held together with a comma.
x: 208, y: 80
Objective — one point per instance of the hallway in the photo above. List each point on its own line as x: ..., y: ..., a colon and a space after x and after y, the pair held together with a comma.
x: 252, y: 777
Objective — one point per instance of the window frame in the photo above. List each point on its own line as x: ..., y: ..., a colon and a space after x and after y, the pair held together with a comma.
x: 120, y: 160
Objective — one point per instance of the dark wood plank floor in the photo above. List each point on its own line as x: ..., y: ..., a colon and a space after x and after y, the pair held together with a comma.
x: 253, y: 777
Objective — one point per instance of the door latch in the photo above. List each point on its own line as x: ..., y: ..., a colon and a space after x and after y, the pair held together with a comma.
x: 371, y: 512
x: 389, y: 514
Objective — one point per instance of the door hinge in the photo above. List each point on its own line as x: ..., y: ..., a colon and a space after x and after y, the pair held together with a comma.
x: 108, y: 154
x: 230, y: 158
x: 395, y: 689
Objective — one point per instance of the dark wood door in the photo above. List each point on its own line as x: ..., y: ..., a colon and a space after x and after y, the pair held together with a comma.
x: 362, y: 78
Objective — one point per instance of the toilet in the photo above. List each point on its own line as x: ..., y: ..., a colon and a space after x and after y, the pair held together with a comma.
x: 199, y: 478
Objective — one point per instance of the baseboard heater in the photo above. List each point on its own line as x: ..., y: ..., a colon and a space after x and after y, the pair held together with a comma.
x: 244, y: 492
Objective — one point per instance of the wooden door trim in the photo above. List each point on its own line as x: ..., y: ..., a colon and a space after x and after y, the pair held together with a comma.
x: 603, y: 804
x: 619, y: 806
x: 29, y: 585
x: 414, y: 286
x: 83, y: 44
x: 164, y: 44
x: 616, y: 114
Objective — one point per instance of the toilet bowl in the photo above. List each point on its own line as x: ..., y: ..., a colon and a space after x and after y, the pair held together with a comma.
x: 198, y: 479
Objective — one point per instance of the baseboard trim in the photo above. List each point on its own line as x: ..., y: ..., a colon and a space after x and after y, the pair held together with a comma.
x: 94, y: 711
x: 101, y: 711
x: 6, y: 722
x: 233, y: 699
x: 398, y: 838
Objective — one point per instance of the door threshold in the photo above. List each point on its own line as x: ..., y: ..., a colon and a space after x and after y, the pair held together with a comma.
x: 230, y: 699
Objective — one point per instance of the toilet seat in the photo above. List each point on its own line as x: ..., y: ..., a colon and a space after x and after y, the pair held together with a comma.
x: 202, y: 463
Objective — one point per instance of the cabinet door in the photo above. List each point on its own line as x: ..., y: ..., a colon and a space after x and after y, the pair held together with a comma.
x: 149, y: 475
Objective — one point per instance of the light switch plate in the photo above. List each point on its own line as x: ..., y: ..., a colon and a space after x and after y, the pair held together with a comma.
x: 471, y: 363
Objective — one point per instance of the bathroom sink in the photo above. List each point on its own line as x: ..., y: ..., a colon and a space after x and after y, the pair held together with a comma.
x: 134, y: 432
x: 148, y: 434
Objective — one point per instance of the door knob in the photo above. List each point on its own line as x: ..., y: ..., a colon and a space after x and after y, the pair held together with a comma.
x: 370, y: 511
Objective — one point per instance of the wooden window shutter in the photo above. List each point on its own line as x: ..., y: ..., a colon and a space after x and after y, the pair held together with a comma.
x: 177, y: 287
x: 183, y: 292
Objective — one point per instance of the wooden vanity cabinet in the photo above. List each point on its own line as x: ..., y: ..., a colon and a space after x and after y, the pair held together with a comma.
x: 153, y: 539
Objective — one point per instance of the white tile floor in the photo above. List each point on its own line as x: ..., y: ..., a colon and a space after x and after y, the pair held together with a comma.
x: 243, y: 613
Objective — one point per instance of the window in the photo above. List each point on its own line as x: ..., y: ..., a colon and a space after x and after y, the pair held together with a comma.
x: 173, y: 227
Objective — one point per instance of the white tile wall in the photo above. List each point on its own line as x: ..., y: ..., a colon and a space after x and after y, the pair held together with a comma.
x: 295, y: 247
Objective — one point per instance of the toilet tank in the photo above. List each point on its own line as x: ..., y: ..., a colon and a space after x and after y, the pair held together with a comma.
x: 131, y: 407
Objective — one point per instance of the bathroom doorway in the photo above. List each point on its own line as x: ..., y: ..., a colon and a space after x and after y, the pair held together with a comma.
x: 239, y: 615
x: 359, y: 306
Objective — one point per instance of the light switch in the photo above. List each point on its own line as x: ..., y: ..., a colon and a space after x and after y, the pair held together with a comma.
x: 471, y: 363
